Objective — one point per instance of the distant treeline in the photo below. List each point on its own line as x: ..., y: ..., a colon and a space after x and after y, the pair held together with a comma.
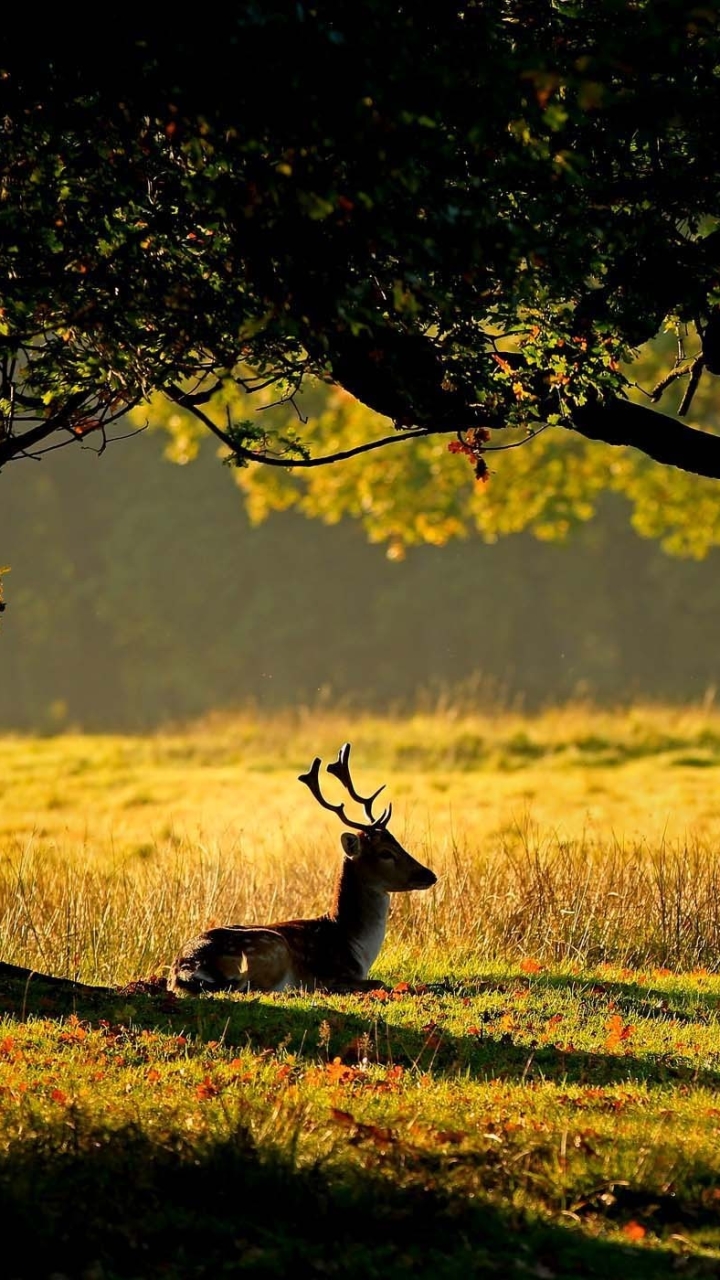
x: 140, y: 594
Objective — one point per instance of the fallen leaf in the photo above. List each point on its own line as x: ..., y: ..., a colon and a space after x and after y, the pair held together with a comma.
x: 634, y: 1231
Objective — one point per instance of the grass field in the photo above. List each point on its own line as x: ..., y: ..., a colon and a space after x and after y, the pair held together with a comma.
x: 538, y: 1095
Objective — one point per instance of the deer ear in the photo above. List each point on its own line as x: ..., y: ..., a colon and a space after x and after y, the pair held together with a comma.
x: 352, y: 845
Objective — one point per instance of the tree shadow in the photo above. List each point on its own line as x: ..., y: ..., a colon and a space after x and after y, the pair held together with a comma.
x: 123, y: 1204
x: 324, y: 1030
x: 642, y: 999
x: 319, y: 1029
x: 84, y: 1202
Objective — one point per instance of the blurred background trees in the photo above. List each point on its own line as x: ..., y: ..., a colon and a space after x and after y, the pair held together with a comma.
x: 141, y: 592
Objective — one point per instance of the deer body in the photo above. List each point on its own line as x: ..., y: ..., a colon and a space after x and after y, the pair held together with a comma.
x: 333, y: 951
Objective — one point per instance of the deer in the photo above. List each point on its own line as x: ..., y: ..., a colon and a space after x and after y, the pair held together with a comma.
x: 333, y: 952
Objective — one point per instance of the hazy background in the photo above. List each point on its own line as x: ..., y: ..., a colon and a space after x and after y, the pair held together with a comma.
x: 139, y: 594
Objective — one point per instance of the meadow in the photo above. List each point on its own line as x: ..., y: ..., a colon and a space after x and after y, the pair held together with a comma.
x: 534, y: 1094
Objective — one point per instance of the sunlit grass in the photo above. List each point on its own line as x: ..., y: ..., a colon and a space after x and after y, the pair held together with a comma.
x: 578, y: 1108
x: 539, y: 1090
x: 573, y: 836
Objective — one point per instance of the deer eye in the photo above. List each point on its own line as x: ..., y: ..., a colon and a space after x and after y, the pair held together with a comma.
x: 387, y: 855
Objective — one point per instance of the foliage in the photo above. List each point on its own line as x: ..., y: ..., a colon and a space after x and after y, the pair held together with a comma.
x: 468, y: 221
x: 549, y: 488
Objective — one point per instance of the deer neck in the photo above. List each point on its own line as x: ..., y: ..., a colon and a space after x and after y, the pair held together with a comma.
x: 360, y: 910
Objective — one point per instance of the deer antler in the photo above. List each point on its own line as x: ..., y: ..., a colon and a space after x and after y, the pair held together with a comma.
x: 341, y: 771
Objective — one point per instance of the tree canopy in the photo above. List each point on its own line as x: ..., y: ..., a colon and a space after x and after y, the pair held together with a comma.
x: 468, y: 218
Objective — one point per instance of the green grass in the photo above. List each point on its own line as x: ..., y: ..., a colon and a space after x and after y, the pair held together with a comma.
x: 539, y: 1096
x: 562, y: 1120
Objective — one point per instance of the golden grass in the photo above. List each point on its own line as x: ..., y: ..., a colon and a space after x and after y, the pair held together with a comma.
x: 574, y: 835
x: 527, y: 1101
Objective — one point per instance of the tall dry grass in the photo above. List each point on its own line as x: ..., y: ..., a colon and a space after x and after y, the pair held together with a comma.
x: 571, y: 836
x: 559, y: 901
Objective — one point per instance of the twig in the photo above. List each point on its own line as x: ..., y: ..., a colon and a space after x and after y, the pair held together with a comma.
x: 665, y: 382
x: 498, y: 448
x: 201, y: 397
x: 285, y: 400
x: 73, y: 439
x: 129, y: 434
x: 696, y: 369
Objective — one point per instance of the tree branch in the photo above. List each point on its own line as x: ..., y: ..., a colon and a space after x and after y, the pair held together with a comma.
x: 15, y: 446
x: 662, y: 438
x: 23, y: 446
x: 621, y: 422
x: 250, y: 455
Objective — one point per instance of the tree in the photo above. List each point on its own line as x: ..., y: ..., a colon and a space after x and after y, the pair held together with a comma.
x: 468, y: 218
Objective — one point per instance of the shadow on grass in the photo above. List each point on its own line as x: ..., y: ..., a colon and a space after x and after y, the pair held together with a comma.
x: 88, y: 1202
x: 637, y: 998
x: 319, y: 1029
x: 322, y: 1030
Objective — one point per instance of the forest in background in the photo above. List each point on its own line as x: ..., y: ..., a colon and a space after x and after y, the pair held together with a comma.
x: 141, y: 594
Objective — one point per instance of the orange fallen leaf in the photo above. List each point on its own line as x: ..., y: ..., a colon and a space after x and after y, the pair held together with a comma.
x: 207, y: 1089
x: 634, y: 1231
x: 337, y: 1072
x: 618, y: 1031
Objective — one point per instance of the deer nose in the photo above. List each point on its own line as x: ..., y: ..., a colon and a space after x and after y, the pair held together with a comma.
x: 424, y: 878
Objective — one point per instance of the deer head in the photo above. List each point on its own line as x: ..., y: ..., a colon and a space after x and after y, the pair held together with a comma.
x: 376, y: 854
